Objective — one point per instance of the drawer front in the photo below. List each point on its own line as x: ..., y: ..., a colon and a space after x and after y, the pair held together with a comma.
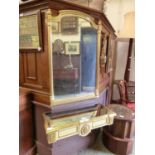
x: 79, y: 124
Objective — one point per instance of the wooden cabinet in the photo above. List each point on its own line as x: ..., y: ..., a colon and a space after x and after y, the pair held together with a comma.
x: 68, y: 65
x: 86, y: 44
x: 26, y: 126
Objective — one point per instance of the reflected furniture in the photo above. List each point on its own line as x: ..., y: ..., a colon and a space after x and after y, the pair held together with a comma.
x: 66, y: 53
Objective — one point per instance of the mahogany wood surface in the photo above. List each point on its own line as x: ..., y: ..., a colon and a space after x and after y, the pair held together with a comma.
x: 26, y: 128
x: 128, y: 65
x: 117, y: 145
x: 119, y: 137
x: 121, y: 128
x: 34, y: 66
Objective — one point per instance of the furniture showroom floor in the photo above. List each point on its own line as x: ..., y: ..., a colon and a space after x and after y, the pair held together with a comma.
x: 98, y: 149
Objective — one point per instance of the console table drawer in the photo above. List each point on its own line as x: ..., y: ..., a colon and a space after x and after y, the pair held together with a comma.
x: 80, y: 122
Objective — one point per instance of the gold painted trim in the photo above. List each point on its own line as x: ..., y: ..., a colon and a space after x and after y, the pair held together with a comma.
x: 85, y: 128
x: 48, y: 22
x: 98, y: 56
x: 79, y: 14
x: 49, y: 19
x: 99, y: 123
x: 67, y: 131
x: 103, y: 91
x: 110, y: 54
x: 78, y: 124
x: 68, y: 100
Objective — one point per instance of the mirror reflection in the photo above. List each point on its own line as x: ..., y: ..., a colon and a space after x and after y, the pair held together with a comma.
x: 74, y: 45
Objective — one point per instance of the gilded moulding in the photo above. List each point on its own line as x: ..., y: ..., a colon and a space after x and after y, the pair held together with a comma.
x: 76, y: 124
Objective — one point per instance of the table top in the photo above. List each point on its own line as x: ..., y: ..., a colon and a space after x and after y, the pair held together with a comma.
x: 122, y: 112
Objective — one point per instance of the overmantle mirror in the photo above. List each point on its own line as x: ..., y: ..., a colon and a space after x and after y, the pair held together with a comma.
x: 74, y: 45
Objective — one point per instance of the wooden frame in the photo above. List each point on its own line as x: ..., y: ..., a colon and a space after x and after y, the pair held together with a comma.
x: 103, y: 56
x: 93, y: 95
x: 72, y: 48
x: 32, y: 41
x: 107, y: 54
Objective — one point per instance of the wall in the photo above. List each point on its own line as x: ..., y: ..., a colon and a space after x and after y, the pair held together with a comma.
x: 121, y: 61
x: 95, y: 4
x: 116, y: 10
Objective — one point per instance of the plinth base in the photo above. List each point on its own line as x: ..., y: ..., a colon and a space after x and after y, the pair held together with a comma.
x: 67, y: 146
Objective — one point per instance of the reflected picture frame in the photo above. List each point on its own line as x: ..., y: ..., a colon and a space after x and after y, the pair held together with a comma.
x: 55, y: 27
x: 69, y: 25
x: 72, y: 48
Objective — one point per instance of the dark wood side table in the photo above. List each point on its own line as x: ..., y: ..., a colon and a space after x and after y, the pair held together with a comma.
x: 119, y: 137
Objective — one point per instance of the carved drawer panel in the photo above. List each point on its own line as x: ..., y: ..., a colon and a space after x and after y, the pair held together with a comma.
x: 80, y: 122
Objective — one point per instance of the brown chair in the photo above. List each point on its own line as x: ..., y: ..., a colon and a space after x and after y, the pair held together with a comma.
x: 127, y: 93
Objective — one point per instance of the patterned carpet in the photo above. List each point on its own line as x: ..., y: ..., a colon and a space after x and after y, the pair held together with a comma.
x: 98, y: 149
